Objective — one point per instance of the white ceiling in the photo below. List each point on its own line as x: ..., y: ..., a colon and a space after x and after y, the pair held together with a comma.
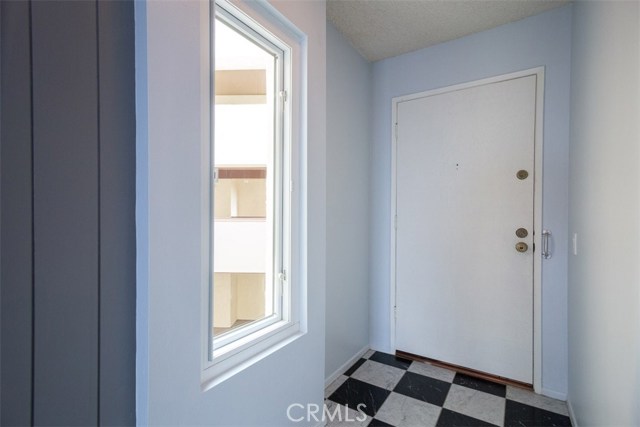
x: 381, y: 29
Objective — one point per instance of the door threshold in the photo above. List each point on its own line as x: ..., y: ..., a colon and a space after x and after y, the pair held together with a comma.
x: 467, y: 371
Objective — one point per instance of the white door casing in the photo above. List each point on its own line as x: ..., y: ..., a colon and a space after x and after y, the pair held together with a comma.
x: 461, y: 293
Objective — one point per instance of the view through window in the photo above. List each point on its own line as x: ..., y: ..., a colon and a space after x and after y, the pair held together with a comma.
x: 247, y: 187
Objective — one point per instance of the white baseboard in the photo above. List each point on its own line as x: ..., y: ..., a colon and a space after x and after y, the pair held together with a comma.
x: 572, y: 415
x: 553, y: 394
x: 331, y: 378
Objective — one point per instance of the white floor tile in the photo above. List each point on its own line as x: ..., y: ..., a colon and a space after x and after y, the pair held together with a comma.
x: 476, y: 404
x: 404, y: 411
x: 379, y: 374
x: 432, y: 371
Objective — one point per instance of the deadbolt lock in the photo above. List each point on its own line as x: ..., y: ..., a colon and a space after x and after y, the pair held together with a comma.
x: 522, y: 247
x: 522, y: 174
x: 522, y: 233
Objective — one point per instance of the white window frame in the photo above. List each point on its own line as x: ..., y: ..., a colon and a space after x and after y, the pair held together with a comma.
x: 281, y: 203
x: 239, y: 349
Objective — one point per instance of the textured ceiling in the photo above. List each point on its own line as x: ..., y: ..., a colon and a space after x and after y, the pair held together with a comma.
x: 381, y: 29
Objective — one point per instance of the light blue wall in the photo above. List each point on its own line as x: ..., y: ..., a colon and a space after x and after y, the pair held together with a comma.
x: 604, y: 275
x: 348, y: 143
x: 172, y: 48
x: 542, y: 40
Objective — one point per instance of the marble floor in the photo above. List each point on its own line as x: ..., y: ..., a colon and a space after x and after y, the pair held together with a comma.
x: 392, y: 391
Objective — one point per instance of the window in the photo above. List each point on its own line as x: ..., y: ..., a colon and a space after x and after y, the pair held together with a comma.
x: 253, y: 305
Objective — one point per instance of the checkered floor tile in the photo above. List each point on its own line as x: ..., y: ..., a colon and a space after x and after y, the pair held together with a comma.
x: 384, y: 390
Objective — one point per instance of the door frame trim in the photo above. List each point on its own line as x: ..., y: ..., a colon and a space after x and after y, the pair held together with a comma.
x: 537, y: 208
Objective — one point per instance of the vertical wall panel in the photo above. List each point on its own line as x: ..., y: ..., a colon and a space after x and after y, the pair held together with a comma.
x: 117, y: 213
x: 65, y: 212
x: 16, y: 215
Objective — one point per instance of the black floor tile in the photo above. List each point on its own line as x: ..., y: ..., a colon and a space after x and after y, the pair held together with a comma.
x: 390, y: 359
x: 480, y: 384
x: 353, y: 393
x: 378, y: 423
x: 521, y: 415
x: 423, y: 388
x: 455, y: 419
x: 354, y: 367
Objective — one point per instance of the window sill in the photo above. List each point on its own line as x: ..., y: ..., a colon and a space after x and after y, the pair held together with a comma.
x: 242, y: 219
x: 240, y: 355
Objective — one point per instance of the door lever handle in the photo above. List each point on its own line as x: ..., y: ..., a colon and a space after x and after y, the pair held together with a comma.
x: 546, y: 252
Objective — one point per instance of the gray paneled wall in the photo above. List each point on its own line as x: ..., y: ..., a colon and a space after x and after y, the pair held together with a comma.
x: 67, y: 213
x: 117, y: 177
x: 16, y: 275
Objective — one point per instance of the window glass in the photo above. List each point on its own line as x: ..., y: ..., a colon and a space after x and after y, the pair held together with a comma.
x: 247, y: 187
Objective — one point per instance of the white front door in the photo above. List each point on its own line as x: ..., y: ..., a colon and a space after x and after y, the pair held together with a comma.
x: 464, y: 292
